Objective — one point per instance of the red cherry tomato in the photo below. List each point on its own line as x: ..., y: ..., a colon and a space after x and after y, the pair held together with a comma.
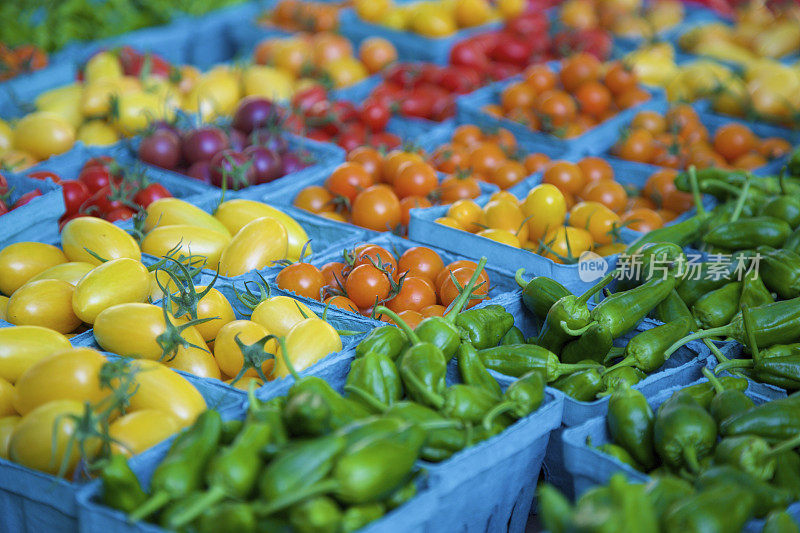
x: 75, y: 193
x: 150, y: 194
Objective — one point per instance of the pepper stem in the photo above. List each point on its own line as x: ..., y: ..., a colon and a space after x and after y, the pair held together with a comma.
x: 737, y: 210
x: 701, y: 334
x: 613, y: 353
x: 690, y: 458
x: 494, y: 412
x: 156, y: 501
x: 282, y: 502
x: 749, y: 331
x: 717, y: 384
x: 419, y: 387
x: 212, y: 496
x: 286, y: 359
x: 381, y: 310
x: 785, y: 446
x: 714, y: 350
x: 698, y: 199
x: 367, y: 398
x: 518, y: 278
x: 735, y: 363
x: 463, y: 297
x: 584, y: 298
x: 563, y: 369
x: 575, y: 332
x: 628, y: 361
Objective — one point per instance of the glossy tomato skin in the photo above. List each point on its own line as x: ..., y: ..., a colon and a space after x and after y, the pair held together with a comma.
x: 101, y: 237
x: 280, y: 313
x: 173, y: 211
x: 75, y: 194
x: 241, y: 255
x: 22, y: 346
x: 306, y: 343
x: 151, y: 193
x: 26, y: 198
x: 46, y: 303
x: 161, y: 388
x: 95, y: 177
x: 19, y: 262
x: 117, y: 281
x: 213, y: 305
x: 189, y: 240
x: 140, y: 430
x: 228, y: 353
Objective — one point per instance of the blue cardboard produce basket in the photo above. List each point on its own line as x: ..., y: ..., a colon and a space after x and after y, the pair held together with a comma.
x: 410, y: 46
x: 17, y: 95
x: 38, y: 219
x: 32, y: 501
x: 593, y: 142
x: 684, y: 367
x: 487, y: 487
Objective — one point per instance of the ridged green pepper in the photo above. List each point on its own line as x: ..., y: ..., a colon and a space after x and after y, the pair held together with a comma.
x: 484, y: 327
x: 673, y: 308
x: 520, y: 399
x: 617, y: 452
x: 793, y: 242
x: 474, y: 373
x: 645, y: 351
x: 780, y: 522
x: 227, y: 516
x: 621, y: 312
x: 701, y: 281
x: 441, y: 442
x: 785, y: 207
x: 665, y: 491
x: 719, y: 306
x: 401, y: 495
x: 630, y: 423
x: 703, y: 393
x: 726, y: 402
x: 358, y: 516
x: 683, y: 432
x: 385, y: 340
x: 721, y: 508
x: 774, y: 421
x: 582, y: 386
x: 620, y: 377
x: 121, y: 488
x: 595, y: 344
x: 754, y: 292
x: 780, y: 270
x: 540, y: 293
x: 752, y: 454
x: 766, y: 497
x: 316, y: 515
x: 513, y: 336
x: 749, y: 233
x: 377, y: 375
x: 787, y: 473
x: 517, y: 360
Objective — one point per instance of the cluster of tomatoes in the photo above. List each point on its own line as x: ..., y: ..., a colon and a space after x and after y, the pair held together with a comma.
x: 250, y: 152
x: 677, y: 139
x: 525, y: 40
x: 491, y: 157
x: 591, y: 180
x: 416, y: 285
x: 626, y: 19
x: 568, y: 103
x: 347, y: 124
x: 6, y: 204
x: 377, y: 192
x: 105, y: 190
x: 325, y: 57
x: 294, y: 15
x: 20, y: 60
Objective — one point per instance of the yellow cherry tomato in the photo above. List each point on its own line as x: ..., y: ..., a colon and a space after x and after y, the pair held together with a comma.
x: 43, y: 134
x: 6, y: 399
x: 467, y: 214
x: 174, y: 211
x: 22, y: 346
x: 3, y: 307
x: 73, y: 374
x: 545, y: 209
x: 140, y: 430
x: 20, y: 262
x: 228, y: 353
x: 501, y: 236
x: 433, y: 21
x: 449, y: 222
x: 7, y: 426
x: 17, y: 160
x: 254, y: 247
x: 214, y: 95
x: 279, y: 314
x: 471, y: 13
x: 371, y: 10
x: 346, y: 71
x: 71, y: 272
x: 235, y: 214
x: 187, y: 240
x: 158, y: 387
x: 101, y: 237
x: 506, y: 215
x: 510, y: 8
x: 611, y: 249
x: 213, y: 305
x: 306, y: 343
x: 104, y: 65
x: 97, y: 133
x: 41, y: 439
x: 132, y: 112
x: 504, y: 195
x: 566, y: 243
x: 6, y: 137
x: 269, y: 82
x: 600, y: 221
x: 63, y: 102
x: 242, y: 383
x: 117, y: 281
x: 46, y: 303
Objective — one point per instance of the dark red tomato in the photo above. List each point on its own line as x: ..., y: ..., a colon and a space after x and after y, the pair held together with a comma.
x: 501, y: 71
x: 200, y: 171
x: 162, y: 149
x: 404, y: 74
x: 234, y: 168
x: 203, y: 143
x: 44, y: 174
x: 134, y: 63
x: 303, y: 100
x: 294, y: 162
x: 430, y: 73
x: 3, y: 185
x: 528, y: 24
x: 25, y: 198
x: 102, y: 202
x: 150, y: 194
x: 385, y: 139
x: 344, y: 111
x: 460, y: 79
x: 443, y: 109
x: 75, y: 193
x: 469, y: 53
x: 3, y: 207
x: 353, y: 136
x: 266, y: 163
x: 95, y: 177
x: 254, y: 112
x: 237, y: 140
x: 374, y: 115
x: 418, y: 102
x: 511, y: 49
x: 485, y: 41
x: 319, y: 135
x: 120, y: 213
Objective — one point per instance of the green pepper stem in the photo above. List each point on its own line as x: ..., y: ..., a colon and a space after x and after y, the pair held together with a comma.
x: 714, y: 350
x: 690, y: 458
x: 613, y: 353
x: 750, y: 333
x: 701, y: 334
x: 212, y: 496
x: 737, y: 210
x: 494, y: 412
x: 156, y: 501
x: 518, y: 278
x: 584, y: 298
x: 698, y: 199
x: 463, y: 297
x: 563, y: 369
x: 282, y: 502
x: 717, y: 384
x: 575, y: 332
x: 381, y: 310
x: 734, y: 363
x: 428, y: 395
x: 286, y: 359
x: 367, y: 398
x: 430, y: 425
x: 628, y: 361
x: 785, y: 446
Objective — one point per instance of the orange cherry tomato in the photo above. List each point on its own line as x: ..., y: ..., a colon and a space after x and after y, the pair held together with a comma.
x: 342, y: 302
x: 369, y: 158
x: 433, y: 310
x: 619, y: 78
x: 593, y: 98
x: 411, y: 202
x: 536, y: 162
x: 517, y: 96
x: 651, y: 121
x: 376, y: 208
x: 565, y: 175
x: 734, y: 140
x: 454, y: 188
x: 508, y: 174
x: 595, y: 169
x: 348, y: 180
x: 421, y: 262
x: 314, y: 198
x: 415, y: 179
x: 540, y: 78
x: 578, y: 69
x: 642, y: 219
x: 637, y: 145
x: 449, y: 292
x: 303, y: 279
x: 467, y: 135
x: 414, y: 295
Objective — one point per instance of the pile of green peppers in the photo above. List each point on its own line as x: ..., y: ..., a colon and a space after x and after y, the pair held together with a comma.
x: 732, y: 460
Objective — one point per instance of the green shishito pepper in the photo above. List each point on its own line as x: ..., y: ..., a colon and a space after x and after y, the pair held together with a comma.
x: 377, y: 375
x: 719, y: 306
x: 683, y: 432
x: 385, y: 340
x: 780, y: 522
x: 181, y: 471
x: 595, y: 343
x: 793, y: 242
x: 520, y: 399
x: 726, y: 402
x: 645, y: 351
x: 704, y: 393
x: 473, y: 372
x: 231, y: 473
x: 422, y: 365
x: 442, y: 332
x: 787, y: 473
x: 518, y: 359
x: 442, y: 441
x: 664, y: 491
x: 766, y: 497
x: 358, y: 516
x: 620, y: 312
x: 540, y: 293
x: 485, y: 327
x: 780, y: 270
x: 720, y: 508
x: 270, y: 413
x: 701, y: 282
x: 582, y: 386
x: 121, y: 488
x: 366, y: 472
x: 752, y: 454
x: 754, y: 292
x: 774, y: 421
x: 620, y: 377
x: 227, y: 516
x: 315, y: 515
x: 569, y: 317
x: 749, y: 233
x: 776, y: 323
x: 630, y: 424
x: 514, y: 336
x: 673, y: 308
